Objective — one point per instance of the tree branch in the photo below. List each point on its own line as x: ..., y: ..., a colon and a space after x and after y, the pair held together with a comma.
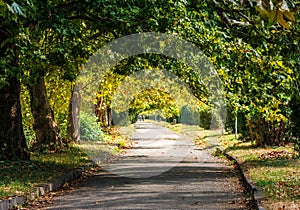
x: 231, y: 22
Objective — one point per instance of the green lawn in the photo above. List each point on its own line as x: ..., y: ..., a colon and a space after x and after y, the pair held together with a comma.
x: 275, y: 169
x: 20, y: 177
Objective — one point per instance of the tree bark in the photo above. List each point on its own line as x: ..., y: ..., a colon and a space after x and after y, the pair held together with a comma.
x: 45, y: 127
x: 12, y: 139
x: 101, y: 112
x: 73, y: 130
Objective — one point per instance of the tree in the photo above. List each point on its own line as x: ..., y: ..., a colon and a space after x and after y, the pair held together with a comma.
x: 73, y: 125
x: 154, y: 99
x: 263, y: 67
x: 64, y: 36
x: 12, y: 140
x: 46, y: 129
x: 59, y: 33
x: 253, y: 44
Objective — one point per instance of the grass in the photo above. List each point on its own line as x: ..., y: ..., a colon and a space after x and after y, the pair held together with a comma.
x: 275, y: 169
x: 120, y: 137
x: 113, y: 144
x: 20, y: 177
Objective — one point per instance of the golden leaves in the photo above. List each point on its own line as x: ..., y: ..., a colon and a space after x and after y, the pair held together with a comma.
x: 280, y: 13
x: 285, y: 18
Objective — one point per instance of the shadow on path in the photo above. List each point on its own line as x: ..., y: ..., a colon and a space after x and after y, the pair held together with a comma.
x: 197, y: 181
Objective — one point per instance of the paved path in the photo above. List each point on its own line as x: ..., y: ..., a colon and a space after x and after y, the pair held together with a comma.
x: 162, y: 171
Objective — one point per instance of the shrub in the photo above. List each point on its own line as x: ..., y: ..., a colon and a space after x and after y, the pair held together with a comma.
x: 89, y: 128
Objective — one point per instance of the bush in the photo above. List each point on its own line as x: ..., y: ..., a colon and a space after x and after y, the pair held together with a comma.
x: 205, y: 118
x: 89, y: 128
x: 189, y: 116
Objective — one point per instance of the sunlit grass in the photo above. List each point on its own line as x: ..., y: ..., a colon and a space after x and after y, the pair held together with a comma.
x: 113, y: 143
x: 20, y: 177
x: 275, y: 169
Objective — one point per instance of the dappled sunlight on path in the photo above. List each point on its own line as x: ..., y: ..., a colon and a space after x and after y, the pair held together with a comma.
x: 161, y: 171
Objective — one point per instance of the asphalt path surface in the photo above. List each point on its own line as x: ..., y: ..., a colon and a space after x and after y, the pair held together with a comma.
x: 161, y: 171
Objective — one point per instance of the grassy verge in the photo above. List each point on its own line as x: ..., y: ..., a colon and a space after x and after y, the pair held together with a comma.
x: 20, y: 177
x: 275, y: 169
x: 113, y: 144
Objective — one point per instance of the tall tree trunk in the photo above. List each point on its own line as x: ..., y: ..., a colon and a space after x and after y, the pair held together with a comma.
x: 73, y: 130
x: 12, y: 140
x: 45, y: 127
x: 101, y: 112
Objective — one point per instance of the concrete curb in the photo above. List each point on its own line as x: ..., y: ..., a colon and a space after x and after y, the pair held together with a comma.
x: 44, y: 188
x: 256, y: 193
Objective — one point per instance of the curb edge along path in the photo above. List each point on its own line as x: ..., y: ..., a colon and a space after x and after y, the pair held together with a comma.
x: 256, y: 193
x: 197, y: 181
x: 43, y: 189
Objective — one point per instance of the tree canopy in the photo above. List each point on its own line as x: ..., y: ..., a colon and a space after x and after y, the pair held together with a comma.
x: 254, y: 45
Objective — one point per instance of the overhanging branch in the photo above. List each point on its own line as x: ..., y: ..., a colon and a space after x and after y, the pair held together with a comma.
x: 231, y: 22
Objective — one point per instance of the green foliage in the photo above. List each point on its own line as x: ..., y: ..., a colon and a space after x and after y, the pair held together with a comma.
x: 241, y: 123
x: 219, y: 153
x: 59, y: 92
x: 251, y: 50
x: 154, y: 99
x: 205, y: 118
x: 107, y: 87
x: 27, y: 116
x: 259, y: 78
x: 89, y: 128
x: 189, y: 116
x: 254, y: 45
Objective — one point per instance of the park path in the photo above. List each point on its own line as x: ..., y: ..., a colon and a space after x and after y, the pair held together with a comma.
x: 161, y: 171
